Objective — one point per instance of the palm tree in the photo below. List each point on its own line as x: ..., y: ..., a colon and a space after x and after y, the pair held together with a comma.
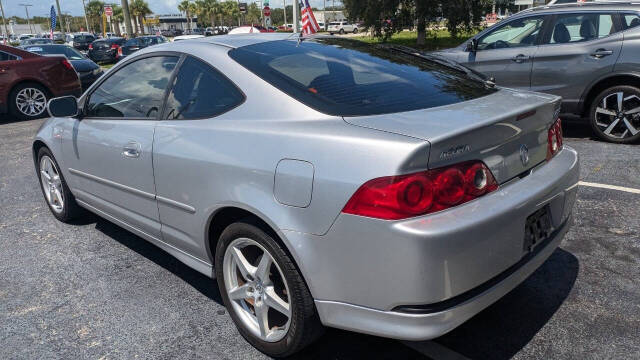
x: 192, y: 10
x: 185, y: 7
x: 139, y: 9
x: 117, y: 18
x: 230, y: 10
x: 94, y: 10
x: 208, y: 9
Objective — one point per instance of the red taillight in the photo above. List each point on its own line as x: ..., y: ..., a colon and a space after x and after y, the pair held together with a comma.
x: 67, y: 64
x: 119, y: 51
x: 114, y: 46
x: 90, y: 46
x: 404, y: 196
x: 554, y: 139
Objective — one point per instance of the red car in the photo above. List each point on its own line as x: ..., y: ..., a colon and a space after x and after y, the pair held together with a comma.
x: 28, y: 81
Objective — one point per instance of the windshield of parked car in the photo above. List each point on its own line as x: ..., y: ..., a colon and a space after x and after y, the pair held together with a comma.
x: 66, y: 51
x: 351, y: 78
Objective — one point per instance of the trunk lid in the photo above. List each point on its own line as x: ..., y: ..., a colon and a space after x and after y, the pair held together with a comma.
x: 497, y: 129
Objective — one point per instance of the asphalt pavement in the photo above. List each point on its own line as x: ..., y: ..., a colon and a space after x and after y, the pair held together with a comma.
x: 94, y: 290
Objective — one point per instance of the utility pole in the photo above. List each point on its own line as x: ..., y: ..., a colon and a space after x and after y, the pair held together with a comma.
x: 284, y: 9
x: 64, y: 34
x: 4, y: 22
x: 127, y: 18
x: 296, y: 11
x: 86, y: 20
x: 324, y: 13
x: 26, y: 9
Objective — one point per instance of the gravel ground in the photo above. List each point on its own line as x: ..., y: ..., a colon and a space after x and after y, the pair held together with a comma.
x: 94, y: 290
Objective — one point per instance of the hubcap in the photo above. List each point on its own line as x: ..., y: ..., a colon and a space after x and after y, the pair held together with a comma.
x: 31, y: 101
x: 618, y: 115
x: 51, y: 184
x: 258, y: 291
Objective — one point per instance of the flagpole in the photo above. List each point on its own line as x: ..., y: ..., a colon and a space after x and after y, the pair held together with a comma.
x: 64, y: 34
x: 4, y: 22
x: 296, y: 12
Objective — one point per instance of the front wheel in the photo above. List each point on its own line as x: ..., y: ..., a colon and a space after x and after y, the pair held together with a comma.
x: 615, y: 114
x: 355, y: 30
x: 54, y: 188
x: 263, y: 291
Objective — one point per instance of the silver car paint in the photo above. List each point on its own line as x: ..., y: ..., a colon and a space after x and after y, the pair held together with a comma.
x: 567, y: 70
x: 203, y: 166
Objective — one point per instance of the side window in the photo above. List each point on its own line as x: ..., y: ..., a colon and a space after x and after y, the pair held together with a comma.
x: 6, y: 56
x: 630, y: 21
x: 572, y: 28
x: 134, y: 91
x: 517, y: 33
x: 200, y: 92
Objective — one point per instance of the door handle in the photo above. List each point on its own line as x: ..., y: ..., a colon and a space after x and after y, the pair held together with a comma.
x: 132, y: 150
x: 520, y: 58
x: 600, y: 53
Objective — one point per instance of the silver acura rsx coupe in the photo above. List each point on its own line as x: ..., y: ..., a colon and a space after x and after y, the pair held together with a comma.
x: 321, y: 182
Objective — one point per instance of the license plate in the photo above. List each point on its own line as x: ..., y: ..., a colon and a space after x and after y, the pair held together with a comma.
x: 537, y: 228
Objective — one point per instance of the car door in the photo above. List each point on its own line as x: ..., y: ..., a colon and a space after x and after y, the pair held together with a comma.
x: 506, y: 53
x: 579, y: 48
x: 8, y: 62
x: 186, y: 152
x: 108, y: 151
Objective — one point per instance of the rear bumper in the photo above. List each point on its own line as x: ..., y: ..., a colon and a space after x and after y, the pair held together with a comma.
x: 445, y: 265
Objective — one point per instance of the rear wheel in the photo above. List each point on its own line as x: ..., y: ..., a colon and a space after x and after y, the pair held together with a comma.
x: 28, y: 101
x: 615, y: 114
x: 263, y: 291
x: 341, y: 31
x: 355, y: 30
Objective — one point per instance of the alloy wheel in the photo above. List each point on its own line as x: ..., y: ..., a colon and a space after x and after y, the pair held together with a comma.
x: 51, y: 184
x: 257, y: 289
x: 31, y: 101
x: 618, y: 115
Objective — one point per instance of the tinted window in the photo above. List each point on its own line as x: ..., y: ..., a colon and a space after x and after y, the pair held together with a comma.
x: 134, y: 91
x: 6, y: 56
x: 571, y: 28
x: 200, y: 92
x: 350, y: 78
x: 83, y: 38
x: 630, y: 20
x: 66, y: 51
x: 517, y: 33
x: 132, y: 42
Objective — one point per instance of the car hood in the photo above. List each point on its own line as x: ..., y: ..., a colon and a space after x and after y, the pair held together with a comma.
x: 492, y: 128
x: 84, y: 65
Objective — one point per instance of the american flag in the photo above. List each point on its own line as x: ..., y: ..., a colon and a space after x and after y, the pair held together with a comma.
x: 53, y: 20
x: 309, y: 23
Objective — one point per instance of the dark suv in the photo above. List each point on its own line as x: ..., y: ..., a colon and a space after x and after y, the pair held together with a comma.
x: 587, y: 53
x: 82, y: 41
x: 106, y: 50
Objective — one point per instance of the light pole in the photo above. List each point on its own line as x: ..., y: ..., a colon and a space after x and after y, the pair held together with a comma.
x: 284, y: 9
x: 26, y: 9
x: 296, y: 10
x: 4, y: 22
x: 64, y: 34
x: 86, y: 20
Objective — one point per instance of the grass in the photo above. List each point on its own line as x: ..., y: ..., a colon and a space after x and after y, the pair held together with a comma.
x: 436, y: 39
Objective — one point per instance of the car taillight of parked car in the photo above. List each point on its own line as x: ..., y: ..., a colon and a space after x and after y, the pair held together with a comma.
x: 90, y: 46
x: 114, y: 46
x: 67, y: 64
x: 404, y: 196
x: 119, y: 51
x: 554, y: 137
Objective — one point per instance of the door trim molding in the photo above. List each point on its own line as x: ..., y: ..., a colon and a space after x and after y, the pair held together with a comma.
x: 113, y: 184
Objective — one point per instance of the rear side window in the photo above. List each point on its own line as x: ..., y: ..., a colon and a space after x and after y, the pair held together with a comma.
x: 351, y: 78
x: 6, y: 56
x: 630, y: 21
x: 200, y: 92
x: 572, y: 28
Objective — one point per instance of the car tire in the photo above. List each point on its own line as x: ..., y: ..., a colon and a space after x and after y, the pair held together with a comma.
x: 355, y: 30
x: 341, y: 31
x: 282, y: 278
x: 20, y: 96
x: 330, y: 33
x: 69, y: 209
x: 612, y: 120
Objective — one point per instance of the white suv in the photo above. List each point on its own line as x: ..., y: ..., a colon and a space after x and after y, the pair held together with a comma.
x: 342, y: 27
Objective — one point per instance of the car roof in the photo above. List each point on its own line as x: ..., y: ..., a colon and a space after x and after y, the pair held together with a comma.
x: 587, y: 6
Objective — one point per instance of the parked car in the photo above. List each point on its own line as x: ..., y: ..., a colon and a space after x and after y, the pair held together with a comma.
x: 106, y: 50
x: 587, y: 54
x: 35, y: 41
x: 88, y: 71
x: 341, y: 27
x: 81, y: 41
x: 30, y: 80
x: 171, y: 32
x: 308, y: 182
x: 137, y: 43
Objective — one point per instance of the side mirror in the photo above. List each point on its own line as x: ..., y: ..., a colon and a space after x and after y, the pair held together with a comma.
x: 472, y: 45
x: 65, y: 106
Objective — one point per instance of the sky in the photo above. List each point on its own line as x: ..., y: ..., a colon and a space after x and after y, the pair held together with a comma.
x: 42, y: 7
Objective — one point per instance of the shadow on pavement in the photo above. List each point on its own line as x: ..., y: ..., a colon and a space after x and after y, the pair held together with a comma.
x: 577, y: 128
x: 498, y: 332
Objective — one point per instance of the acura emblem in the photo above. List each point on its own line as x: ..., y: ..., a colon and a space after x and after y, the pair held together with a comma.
x: 524, y: 154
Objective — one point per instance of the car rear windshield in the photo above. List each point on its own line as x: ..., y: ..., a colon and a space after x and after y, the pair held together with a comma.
x: 83, y: 38
x: 351, y: 78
